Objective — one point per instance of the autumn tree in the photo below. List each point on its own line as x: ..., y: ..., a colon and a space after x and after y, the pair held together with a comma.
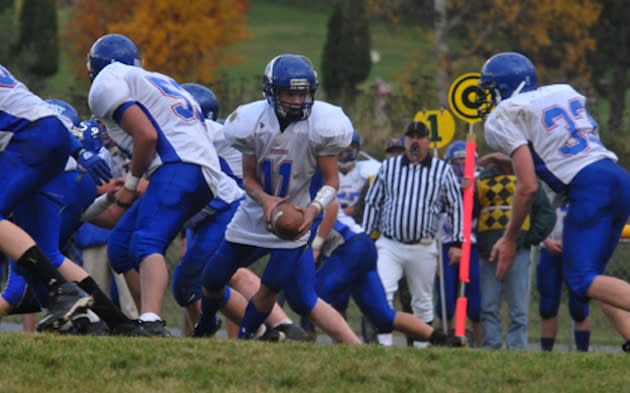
x: 184, y: 39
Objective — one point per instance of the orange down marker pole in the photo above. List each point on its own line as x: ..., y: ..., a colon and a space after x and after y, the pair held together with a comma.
x: 464, y: 264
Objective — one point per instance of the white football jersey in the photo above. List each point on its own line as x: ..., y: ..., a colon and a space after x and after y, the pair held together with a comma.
x: 286, y: 161
x: 182, y: 135
x: 553, y: 121
x: 351, y: 183
x: 19, y: 108
x: 233, y: 157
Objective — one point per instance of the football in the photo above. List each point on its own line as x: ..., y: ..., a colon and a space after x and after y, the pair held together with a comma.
x: 286, y: 220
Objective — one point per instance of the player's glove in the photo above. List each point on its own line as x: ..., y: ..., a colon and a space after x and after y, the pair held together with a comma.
x: 95, y: 166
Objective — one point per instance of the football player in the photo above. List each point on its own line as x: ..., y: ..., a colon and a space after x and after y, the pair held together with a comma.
x: 283, y: 139
x: 153, y: 118
x: 548, y: 132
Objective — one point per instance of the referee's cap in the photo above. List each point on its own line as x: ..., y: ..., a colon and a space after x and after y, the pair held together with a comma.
x: 417, y: 128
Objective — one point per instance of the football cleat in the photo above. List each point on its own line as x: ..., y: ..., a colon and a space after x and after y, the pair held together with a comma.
x: 130, y: 328
x: 64, y: 302
x: 156, y: 328
x: 85, y: 324
x: 440, y: 339
x: 291, y: 331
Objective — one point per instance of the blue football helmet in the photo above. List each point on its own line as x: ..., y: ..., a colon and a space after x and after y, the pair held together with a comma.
x: 64, y: 109
x: 109, y: 49
x: 91, y: 135
x: 456, y: 151
x: 294, y: 73
x: 503, y: 76
x: 206, y: 99
x: 349, y: 156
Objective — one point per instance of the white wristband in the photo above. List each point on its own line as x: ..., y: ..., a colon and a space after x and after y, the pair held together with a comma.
x: 317, y: 242
x: 131, y: 183
x: 324, y: 197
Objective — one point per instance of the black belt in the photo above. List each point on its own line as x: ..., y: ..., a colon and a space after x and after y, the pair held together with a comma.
x: 424, y: 241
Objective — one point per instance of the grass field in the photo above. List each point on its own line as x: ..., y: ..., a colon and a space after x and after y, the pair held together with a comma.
x: 105, y: 364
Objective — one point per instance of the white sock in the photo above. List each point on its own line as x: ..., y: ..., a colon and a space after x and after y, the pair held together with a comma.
x: 386, y: 339
x: 421, y: 344
x: 149, y: 317
x: 286, y: 321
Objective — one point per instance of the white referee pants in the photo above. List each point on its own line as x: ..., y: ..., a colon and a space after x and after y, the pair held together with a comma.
x: 418, y: 262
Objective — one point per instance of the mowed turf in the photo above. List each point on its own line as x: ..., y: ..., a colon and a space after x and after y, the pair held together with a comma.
x: 49, y: 363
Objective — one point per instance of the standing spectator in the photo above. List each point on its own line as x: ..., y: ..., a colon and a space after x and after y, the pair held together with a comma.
x: 549, y: 281
x: 284, y: 140
x: 494, y: 193
x: 404, y: 205
x: 159, y: 123
x: 547, y: 131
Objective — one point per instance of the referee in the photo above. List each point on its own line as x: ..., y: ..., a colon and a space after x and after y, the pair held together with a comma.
x: 404, y: 204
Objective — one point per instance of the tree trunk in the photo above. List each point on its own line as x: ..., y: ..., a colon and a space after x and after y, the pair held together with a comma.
x: 617, y: 100
x: 441, y: 49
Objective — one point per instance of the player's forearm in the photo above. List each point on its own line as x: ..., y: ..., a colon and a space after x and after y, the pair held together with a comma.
x: 135, y: 123
x: 330, y: 217
x: 254, y: 189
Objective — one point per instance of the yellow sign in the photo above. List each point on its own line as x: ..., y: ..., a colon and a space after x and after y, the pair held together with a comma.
x: 441, y: 125
x: 463, y: 95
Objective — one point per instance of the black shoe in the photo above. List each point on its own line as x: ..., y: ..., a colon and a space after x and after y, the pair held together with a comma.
x: 64, y: 302
x: 291, y: 331
x: 202, y: 330
x: 439, y: 339
x: 85, y: 324
x: 626, y: 346
x: 272, y: 335
x: 156, y: 328
x: 130, y: 328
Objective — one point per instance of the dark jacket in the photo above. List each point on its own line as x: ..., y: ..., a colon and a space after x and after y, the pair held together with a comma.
x: 493, y: 207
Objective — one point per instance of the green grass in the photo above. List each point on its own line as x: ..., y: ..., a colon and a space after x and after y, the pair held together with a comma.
x: 107, y: 364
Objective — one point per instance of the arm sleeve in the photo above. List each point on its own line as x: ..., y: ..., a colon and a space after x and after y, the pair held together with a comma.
x: 374, y: 202
x: 501, y: 133
x: 543, y: 219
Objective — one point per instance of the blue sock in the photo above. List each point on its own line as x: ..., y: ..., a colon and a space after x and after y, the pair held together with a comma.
x: 546, y: 343
x: 251, y: 321
x: 582, y: 340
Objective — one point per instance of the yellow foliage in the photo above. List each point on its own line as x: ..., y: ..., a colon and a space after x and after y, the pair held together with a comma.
x: 555, y: 34
x: 183, y: 39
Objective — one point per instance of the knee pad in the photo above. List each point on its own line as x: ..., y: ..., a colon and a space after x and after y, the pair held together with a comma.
x: 548, y: 308
x: 186, y: 290
x: 118, y: 255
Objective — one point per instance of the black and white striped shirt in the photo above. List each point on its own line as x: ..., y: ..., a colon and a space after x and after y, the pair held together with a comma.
x: 405, y: 200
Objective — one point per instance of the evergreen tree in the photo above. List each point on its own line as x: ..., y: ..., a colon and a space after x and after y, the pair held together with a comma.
x: 330, y: 78
x: 347, y: 61
x: 37, y: 48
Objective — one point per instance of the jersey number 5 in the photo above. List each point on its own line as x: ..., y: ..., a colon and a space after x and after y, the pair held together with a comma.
x: 170, y: 88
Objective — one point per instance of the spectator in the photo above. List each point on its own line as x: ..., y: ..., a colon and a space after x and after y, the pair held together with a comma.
x: 494, y: 193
